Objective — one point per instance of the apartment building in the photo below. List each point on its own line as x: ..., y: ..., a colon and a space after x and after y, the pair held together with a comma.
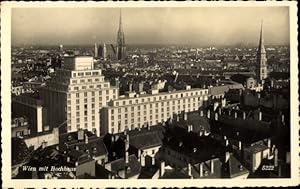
x: 141, y: 110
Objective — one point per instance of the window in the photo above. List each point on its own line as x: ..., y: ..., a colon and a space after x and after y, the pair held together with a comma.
x: 93, y: 105
x: 89, y: 80
x: 77, y: 95
x: 85, y: 113
x: 74, y: 74
x: 85, y: 100
x: 77, y: 101
x: 85, y: 94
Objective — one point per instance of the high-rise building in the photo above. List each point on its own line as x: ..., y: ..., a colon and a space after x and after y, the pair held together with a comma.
x: 261, y: 67
x: 76, y: 94
x: 121, y: 48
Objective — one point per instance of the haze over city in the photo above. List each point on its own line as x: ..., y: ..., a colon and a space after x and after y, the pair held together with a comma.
x: 201, y: 26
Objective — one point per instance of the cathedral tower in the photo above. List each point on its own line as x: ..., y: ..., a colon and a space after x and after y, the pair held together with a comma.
x: 261, y: 67
x: 121, y: 48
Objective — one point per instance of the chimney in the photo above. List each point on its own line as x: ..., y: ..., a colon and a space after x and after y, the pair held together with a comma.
x: 227, y: 156
x: 142, y: 161
x: 200, y: 133
x: 117, y: 83
x: 276, y: 157
x: 208, y: 113
x: 201, y: 113
x: 141, y: 87
x: 57, y: 147
x: 130, y: 87
x: 185, y: 116
x: 212, y: 166
x: 235, y: 115
x: 259, y: 115
x: 77, y: 147
x: 216, y: 116
x: 126, y: 149
x: 80, y: 134
x: 269, y: 143
x: 189, y: 169
x: 139, y: 155
x: 190, y: 128
x: 226, y: 142
x: 162, y: 168
x: 86, y: 139
x: 282, y: 118
x: 220, y: 111
x: 68, y: 159
x: 44, y: 144
x: 229, y: 112
x: 177, y: 117
x: 244, y: 115
x: 148, y: 127
x: 240, y: 145
x: 223, y: 102
x: 201, y: 169
x: 126, y: 158
x: 153, y: 160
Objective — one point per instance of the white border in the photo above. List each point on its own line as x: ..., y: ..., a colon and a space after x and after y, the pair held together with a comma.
x: 6, y: 102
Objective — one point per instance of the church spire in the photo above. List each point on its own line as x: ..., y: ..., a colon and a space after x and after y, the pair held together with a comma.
x: 120, y: 40
x: 261, y: 68
x: 120, y: 22
x: 261, y: 47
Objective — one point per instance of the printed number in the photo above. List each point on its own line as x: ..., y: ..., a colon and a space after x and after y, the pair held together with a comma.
x: 267, y: 167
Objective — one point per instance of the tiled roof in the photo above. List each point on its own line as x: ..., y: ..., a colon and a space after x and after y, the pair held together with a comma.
x: 134, y: 167
x: 19, y: 151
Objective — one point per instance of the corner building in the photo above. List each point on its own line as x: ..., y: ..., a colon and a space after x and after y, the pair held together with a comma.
x: 76, y: 94
x: 136, y: 111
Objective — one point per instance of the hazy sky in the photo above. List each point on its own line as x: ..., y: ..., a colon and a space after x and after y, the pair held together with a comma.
x: 197, y: 26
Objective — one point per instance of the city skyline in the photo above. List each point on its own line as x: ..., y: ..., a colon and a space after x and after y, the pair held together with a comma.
x: 93, y: 25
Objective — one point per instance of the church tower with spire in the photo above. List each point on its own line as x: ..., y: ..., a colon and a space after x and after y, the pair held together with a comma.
x: 261, y: 67
x: 121, y: 48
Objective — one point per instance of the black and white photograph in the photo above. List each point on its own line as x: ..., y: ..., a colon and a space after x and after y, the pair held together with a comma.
x: 195, y: 93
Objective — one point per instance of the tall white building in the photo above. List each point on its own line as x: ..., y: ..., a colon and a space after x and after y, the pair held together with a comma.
x: 76, y: 94
x: 135, y: 111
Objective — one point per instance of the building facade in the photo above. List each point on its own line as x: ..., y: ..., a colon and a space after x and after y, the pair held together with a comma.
x: 76, y: 94
x: 135, y: 111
